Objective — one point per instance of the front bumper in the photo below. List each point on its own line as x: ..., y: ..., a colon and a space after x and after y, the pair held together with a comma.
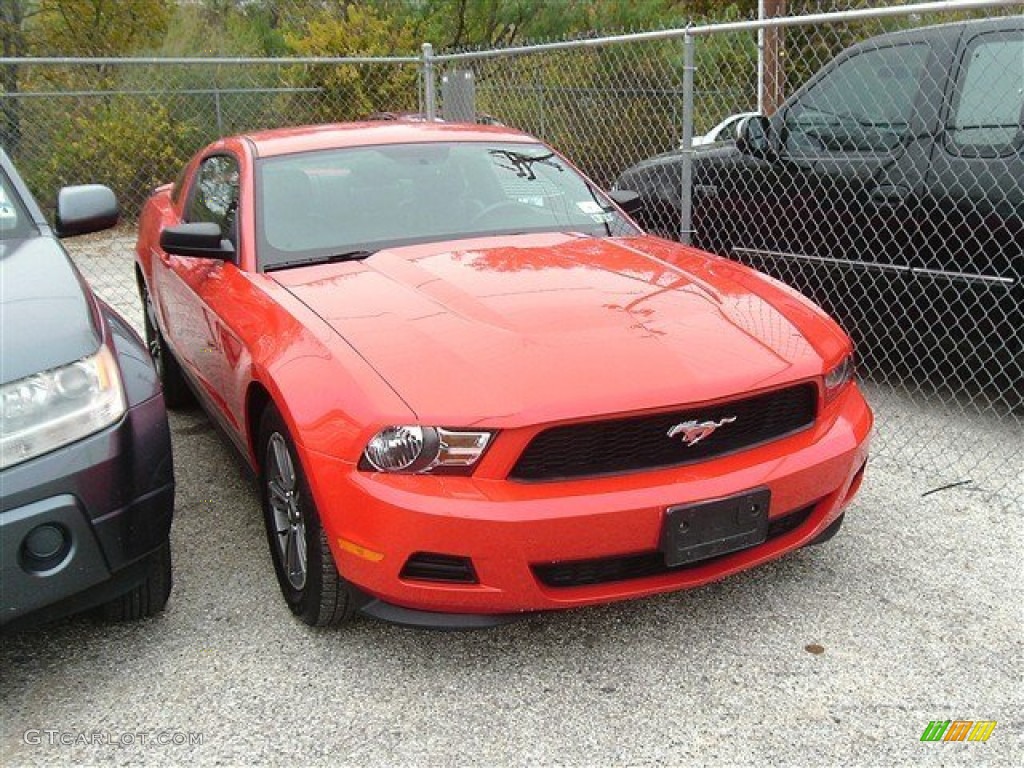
x: 375, y: 522
x: 110, y: 496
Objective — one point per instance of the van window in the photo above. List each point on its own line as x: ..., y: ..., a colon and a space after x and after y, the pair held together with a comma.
x: 865, y: 104
x: 990, y: 95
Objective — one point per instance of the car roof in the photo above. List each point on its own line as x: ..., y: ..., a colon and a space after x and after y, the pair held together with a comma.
x: 310, y: 138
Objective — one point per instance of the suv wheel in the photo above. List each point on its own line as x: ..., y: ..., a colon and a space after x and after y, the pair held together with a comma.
x: 149, y: 597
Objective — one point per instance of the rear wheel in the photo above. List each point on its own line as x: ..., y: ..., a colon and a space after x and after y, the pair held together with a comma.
x: 309, y: 579
x: 176, y: 391
x: 149, y: 597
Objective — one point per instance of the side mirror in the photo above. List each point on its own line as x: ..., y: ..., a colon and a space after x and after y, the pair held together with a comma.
x: 752, y: 136
x: 201, y: 239
x: 628, y: 200
x: 83, y: 209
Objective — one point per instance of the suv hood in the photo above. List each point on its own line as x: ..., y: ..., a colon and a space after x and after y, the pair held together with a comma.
x: 45, y: 318
x: 538, y: 328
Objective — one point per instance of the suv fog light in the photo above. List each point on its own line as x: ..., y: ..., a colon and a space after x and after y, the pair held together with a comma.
x: 45, y: 547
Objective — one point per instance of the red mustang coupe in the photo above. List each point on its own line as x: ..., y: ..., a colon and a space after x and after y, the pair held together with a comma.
x: 471, y: 387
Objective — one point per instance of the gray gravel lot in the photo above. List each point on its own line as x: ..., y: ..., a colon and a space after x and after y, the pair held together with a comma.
x: 916, y: 604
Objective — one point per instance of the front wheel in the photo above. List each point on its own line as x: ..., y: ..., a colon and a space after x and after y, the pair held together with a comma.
x: 309, y: 579
x: 148, y: 598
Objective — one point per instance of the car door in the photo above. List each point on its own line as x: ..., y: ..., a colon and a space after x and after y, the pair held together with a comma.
x: 198, y: 289
x: 972, y: 239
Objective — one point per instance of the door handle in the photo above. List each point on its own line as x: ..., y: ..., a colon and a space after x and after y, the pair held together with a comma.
x: 890, y: 195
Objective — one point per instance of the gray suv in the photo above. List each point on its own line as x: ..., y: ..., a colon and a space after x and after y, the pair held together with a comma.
x: 86, y: 479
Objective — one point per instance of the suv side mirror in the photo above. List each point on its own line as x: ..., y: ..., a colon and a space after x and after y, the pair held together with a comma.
x: 628, y: 200
x: 83, y: 209
x: 201, y: 239
x: 752, y: 136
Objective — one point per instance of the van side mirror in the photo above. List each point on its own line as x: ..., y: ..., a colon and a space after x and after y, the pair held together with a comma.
x: 753, y: 137
x: 628, y: 200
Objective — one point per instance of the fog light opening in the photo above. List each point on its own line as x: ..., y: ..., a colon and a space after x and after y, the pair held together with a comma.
x: 45, y: 547
x: 433, y: 566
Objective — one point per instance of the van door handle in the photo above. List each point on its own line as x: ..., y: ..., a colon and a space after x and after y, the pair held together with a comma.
x: 890, y: 195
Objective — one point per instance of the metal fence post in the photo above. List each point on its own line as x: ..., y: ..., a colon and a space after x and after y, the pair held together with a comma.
x: 686, y: 187
x: 217, y: 110
x: 429, y: 94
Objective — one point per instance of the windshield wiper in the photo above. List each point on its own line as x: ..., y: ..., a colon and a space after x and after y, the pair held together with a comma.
x: 354, y: 255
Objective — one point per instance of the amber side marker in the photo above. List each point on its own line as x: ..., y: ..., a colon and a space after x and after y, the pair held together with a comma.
x: 360, y: 551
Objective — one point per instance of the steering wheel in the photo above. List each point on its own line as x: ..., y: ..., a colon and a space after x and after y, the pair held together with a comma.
x: 504, y: 205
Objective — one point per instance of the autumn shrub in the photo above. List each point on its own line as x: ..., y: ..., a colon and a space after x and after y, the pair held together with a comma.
x: 130, y: 144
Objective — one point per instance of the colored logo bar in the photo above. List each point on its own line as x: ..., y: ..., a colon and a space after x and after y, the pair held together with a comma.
x: 958, y: 730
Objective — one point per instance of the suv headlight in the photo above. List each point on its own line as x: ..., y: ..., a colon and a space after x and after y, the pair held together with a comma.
x: 412, y: 449
x: 838, y: 377
x: 44, y: 411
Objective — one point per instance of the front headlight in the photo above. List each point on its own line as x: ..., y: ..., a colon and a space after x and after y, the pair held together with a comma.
x: 44, y: 411
x: 838, y: 377
x: 413, y: 449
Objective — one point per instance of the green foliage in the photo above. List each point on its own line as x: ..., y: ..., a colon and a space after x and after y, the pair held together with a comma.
x: 129, y: 144
x: 354, y: 91
x: 96, y: 27
x: 219, y: 28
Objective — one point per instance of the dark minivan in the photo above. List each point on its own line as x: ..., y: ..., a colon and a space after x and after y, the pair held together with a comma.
x: 86, y: 479
x: 890, y: 189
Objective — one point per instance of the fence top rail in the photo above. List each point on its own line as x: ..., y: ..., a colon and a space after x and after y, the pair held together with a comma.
x: 204, y: 60
x: 860, y: 14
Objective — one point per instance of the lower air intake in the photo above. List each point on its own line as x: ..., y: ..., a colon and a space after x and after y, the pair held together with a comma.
x: 431, y: 566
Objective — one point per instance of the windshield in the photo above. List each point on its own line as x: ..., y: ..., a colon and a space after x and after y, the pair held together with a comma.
x: 335, y: 203
x: 14, y: 220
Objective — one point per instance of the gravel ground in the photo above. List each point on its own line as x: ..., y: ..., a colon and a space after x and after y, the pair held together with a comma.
x: 915, y: 607
x: 835, y: 655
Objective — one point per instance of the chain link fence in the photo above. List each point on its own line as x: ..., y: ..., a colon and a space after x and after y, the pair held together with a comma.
x: 887, y: 184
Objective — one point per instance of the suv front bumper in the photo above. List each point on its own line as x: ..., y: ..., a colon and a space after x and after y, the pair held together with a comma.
x: 101, y: 504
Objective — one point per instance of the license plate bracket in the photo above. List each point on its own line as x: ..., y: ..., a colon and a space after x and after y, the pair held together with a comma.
x: 695, y: 532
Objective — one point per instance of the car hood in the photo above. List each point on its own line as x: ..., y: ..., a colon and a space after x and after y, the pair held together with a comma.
x: 46, y: 319
x: 530, y: 329
x: 714, y: 152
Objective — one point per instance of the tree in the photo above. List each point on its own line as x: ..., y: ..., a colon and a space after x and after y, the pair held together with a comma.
x: 98, y: 27
x: 12, y: 43
x: 354, y: 91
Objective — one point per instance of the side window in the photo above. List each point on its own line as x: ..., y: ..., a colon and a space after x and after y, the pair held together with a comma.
x: 865, y: 104
x: 215, y: 194
x: 988, y: 108
x: 14, y: 220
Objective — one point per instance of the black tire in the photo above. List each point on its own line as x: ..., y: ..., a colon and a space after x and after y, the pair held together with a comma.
x: 314, y: 590
x: 176, y: 390
x: 829, y: 532
x: 148, y: 598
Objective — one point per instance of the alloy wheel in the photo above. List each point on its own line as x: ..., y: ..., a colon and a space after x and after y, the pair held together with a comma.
x: 289, y: 523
